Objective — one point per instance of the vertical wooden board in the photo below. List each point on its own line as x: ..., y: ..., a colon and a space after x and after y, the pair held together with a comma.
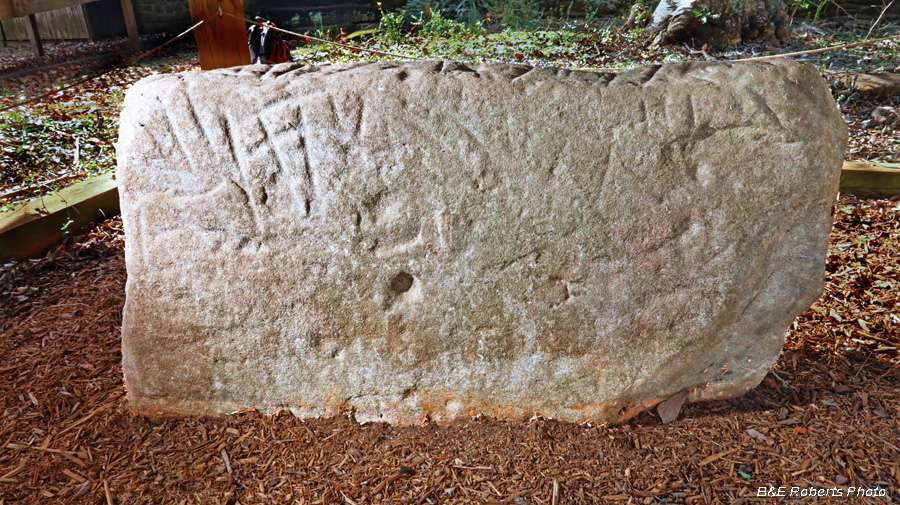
x: 67, y: 23
x: 47, y: 25
x: 14, y: 29
x: 222, y: 40
x: 79, y: 23
x: 53, y: 21
x: 42, y: 26
x: 62, y: 24
x: 34, y: 35
x: 131, y: 25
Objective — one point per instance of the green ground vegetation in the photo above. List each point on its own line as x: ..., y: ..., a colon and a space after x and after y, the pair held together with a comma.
x: 71, y: 135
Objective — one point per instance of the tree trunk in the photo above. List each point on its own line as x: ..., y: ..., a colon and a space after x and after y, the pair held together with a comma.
x: 714, y: 22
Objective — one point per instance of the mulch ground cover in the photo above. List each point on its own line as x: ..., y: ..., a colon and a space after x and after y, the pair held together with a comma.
x: 873, y: 123
x: 826, y: 421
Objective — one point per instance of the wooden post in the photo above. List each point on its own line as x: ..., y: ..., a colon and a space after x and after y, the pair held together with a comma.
x: 222, y: 40
x: 90, y: 26
x: 131, y: 25
x: 34, y: 35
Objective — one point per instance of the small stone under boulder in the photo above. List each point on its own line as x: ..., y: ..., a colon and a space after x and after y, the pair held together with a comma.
x: 439, y: 240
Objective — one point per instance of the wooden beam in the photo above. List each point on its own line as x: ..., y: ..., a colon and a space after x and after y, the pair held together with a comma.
x: 131, y: 25
x: 869, y: 179
x: 34, y: 35
x: 7, y: 9
x: 222, y: 41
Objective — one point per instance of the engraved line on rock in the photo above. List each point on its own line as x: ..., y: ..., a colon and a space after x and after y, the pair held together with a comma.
x: 691, y: 112
x: 527, y: 72
x: 180, y: 134
x: 761, y: 102
x: 280, y: 166
x: 506, y: 264
x: 360, y: 114
x: 203, y: 127
x: 650, y: 75
x: 310, y: 179
x: 230, y: 139
x: 267, y: 141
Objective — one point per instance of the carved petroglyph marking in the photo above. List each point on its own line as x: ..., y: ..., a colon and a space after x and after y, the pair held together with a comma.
x: 183, y: 99
x: 396, y: 248
x: 436, y: 234
x: 312, y: 177
x: 284, y: 136
x: 240, y: 154
x: 534, y: 255
x: 761, y: 103
x: 457, y: 255
x: 443, y: 224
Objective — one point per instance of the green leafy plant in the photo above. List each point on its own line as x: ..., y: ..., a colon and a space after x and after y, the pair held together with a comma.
x: 391, y: 26
x: 704, y: 16
x: 797, y: 5
x: 463, y: 11
x: 39, y: 144
x: 596, y: 7
x: 513, y: 13
x: 438, y: 25
x: 316, y: 19
x: 565, y: 11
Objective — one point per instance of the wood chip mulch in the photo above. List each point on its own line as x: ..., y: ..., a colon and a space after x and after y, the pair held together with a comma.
x: 826, y: 421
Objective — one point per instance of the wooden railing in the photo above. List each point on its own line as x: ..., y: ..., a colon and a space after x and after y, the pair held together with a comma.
x: 28, y: 10
x: 59, y: 24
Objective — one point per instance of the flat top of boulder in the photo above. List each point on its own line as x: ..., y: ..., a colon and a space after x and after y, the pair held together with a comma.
x: 649, y: 75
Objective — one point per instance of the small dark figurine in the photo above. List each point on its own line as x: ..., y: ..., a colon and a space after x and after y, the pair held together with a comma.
x: 266, y: 45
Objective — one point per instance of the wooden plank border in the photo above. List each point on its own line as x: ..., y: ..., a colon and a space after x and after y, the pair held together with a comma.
x: 19, y: 8
x: 869, y: 179
x: 30, y: 230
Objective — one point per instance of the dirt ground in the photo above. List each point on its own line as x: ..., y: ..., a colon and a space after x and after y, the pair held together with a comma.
x: 826, y: 421
x: 18, y: 55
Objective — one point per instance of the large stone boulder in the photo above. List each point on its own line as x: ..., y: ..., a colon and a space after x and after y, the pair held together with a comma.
x: 437, y: 239
x: 715, y: 22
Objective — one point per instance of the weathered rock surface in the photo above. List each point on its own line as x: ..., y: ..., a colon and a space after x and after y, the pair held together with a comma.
x: 436, y: 239
x: 715, y: 22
